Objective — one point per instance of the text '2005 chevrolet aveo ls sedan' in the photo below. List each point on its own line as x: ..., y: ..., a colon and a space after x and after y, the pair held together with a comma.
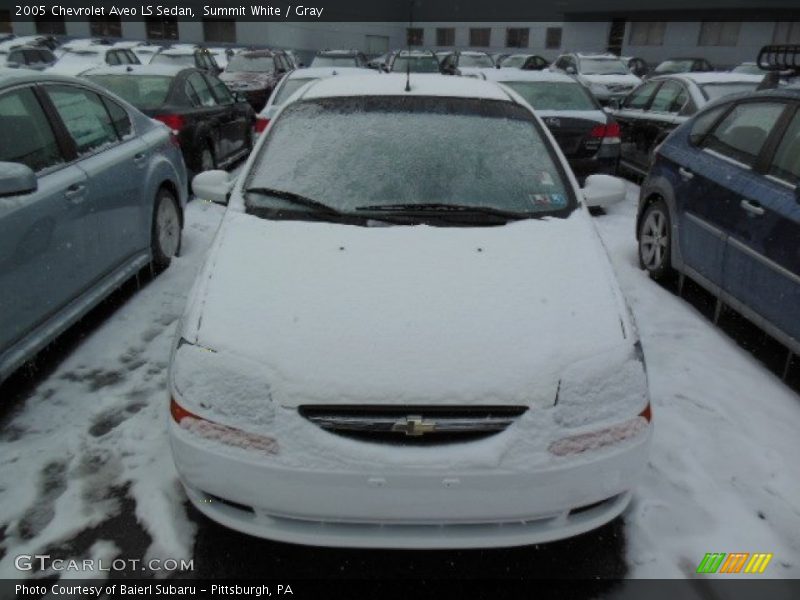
x: 407, y: 333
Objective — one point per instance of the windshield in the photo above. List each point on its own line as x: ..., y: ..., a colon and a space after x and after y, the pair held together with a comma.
x: 603, y: 66
x: 173, y: 59
x: 475, y: 60
x: 554, y: 95
x: 251, y: 64
x: 675, y: 66
x: 72, y: 57
x: 334, y: 61
x: 712, y: 91
x: 290, y: 87
x: 514, y: 61
x: 354, y: 152
x: 145, y: 92
x: 416, y: 64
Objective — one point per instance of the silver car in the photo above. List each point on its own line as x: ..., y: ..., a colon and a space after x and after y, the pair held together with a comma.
x: 91, y: 191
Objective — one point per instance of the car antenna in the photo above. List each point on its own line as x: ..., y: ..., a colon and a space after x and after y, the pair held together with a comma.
x: 408, y: 44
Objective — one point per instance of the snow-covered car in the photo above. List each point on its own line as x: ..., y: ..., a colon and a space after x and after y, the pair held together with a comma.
x: 526, y: 62
x: 587, y: 135
x: 413, y: 61
x: 81, y: 58
x: 606, y: 75
x: 393, y: 343
x: 467, y: 63
x: 91, y: 191
x: 292, y: 82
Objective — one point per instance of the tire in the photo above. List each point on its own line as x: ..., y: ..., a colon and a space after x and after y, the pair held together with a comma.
x: 655, y: 241
x: 166, y: 230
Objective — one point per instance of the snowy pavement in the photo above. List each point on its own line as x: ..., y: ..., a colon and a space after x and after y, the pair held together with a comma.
x: 86, y: 471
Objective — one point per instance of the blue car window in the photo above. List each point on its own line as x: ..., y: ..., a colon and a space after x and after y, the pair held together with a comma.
x: 84, y: 116
x: 743, y: 131
x: 27, y: 135
x: 786, y: 162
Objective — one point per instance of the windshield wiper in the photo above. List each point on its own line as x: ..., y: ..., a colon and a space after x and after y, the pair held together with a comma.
x: 442, y: 208
x: 316, y: 205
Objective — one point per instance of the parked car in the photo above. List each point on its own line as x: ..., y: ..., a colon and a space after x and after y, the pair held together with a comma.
x: 91, y: 191
x: 467, y: 63
x: 82, y: 58
x: 526, y: 62
x: 606, y: 76
x: 213, y: 126
x: 682, y: 65
x: 29, y: 57
x: 637, y: 66
x: 649, y: 113
x: 720, y: 206
x: 414, y: 61
x: 588, y: 136
x: 222, y: 56
x: 499, y: 57
x: 199, y: 58
x: 293, y: 82
x: 379, y: 62
x: 348, y: 376
x: 146, y: 53
x: 255, y: 74
x: 339, y: 58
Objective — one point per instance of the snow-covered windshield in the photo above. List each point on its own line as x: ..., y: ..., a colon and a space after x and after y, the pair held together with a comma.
x: 81, y: 57
x: 334, y: 61
x: 674, y: 66
x: 603, y: 66
x: 712, y: 91
x: 145, y: 92
x: 554, y: 95
x: 251, y: 64
x: 476, y: 60
x: 416, y: 64
x: 391, y: 150
x: 290, y: 87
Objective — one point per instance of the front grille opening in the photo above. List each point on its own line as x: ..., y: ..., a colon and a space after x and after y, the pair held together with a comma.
x: 413, y: 425
x: 216, y: 499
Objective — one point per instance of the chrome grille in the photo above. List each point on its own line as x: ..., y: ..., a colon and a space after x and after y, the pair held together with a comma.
x: 417, y: 425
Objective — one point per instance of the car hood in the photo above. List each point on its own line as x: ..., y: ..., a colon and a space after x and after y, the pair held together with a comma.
x: 340, y: 314
x: 611, y: 79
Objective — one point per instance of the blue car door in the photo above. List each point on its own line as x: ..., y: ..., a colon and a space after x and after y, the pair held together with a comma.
x: 762, y: 264
x: 44, y: 247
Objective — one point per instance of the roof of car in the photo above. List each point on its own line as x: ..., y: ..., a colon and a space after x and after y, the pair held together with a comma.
x: 258, y: 53
x: 157, y: 69
x: 394, y: 84
x: 319, y: 72
x: 338, y: 53
x: 414, y: 53
x: 23, y: 76
x: 472, y: 53
x: 182, y: 51
x: 520, y: 75
x: 714, y: 77
x: 597, y: 55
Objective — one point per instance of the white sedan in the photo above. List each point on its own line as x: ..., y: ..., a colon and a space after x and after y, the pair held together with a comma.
x: 407, y: 333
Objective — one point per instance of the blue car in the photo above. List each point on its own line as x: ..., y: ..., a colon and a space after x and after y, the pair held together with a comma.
x: 91, y: 191
x: 721, y: 205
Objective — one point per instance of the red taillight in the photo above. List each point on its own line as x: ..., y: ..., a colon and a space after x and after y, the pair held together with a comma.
x: 261, y: 124
x: 605, y: 131
x: 598, y: 131
x: 174, y: 122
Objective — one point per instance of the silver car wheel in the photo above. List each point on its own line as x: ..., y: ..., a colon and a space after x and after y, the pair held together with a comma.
x: 654, y: 240
x: 168, y: 228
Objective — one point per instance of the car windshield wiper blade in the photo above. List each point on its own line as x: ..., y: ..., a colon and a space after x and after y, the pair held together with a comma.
x: 298, y: 199
x: 443, y: 208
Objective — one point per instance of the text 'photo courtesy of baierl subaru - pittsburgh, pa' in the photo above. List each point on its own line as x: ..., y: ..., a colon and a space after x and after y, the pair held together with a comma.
x: 416, y: 296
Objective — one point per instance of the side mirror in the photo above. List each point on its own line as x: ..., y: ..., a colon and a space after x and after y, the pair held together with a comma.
x: 497, y: 66
x: 214, y: 186
x: 600, y: 191
x: 16, y: 179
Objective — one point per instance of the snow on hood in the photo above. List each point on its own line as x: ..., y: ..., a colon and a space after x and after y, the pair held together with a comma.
x: 611, y: 79
x: 413, y: 315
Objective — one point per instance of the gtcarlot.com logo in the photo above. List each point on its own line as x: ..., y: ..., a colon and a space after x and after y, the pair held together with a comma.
x: 43, y: 562
x: 735, y: 562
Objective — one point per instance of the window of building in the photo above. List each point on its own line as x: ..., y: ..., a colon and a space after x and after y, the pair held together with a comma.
x: 415, y: 36
x: 161, y: 28
x: 445, y: 36
x: 719, y: 33
x: 5, y: 21
x: 553, y: 38
x: 517, y: 37
x: 50, y: 25
x: 105, y: 26
x: 786, y: 32
x: 219, y: 30
x: 480, y: 36
x: 646, y: 33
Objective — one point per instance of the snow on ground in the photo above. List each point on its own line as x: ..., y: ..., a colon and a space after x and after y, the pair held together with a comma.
x: 98, y: 423
x: 723, y: 473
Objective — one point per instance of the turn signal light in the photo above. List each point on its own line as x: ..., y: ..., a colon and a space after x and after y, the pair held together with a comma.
x: 594, y: 440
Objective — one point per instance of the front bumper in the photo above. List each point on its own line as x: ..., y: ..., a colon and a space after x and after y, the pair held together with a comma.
x: 407, y: 507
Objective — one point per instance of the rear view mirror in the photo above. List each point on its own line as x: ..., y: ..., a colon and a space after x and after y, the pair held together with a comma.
x: 600, y: 191
x: 16, y: 179
x: 214, y: 186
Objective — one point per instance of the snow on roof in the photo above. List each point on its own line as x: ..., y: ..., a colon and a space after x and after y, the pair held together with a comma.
x: 162, y: 70
x: 394, y: 84
x: 718, y: 77
x: 502, y: 75
x: 320, y: 72
x: 182, y: 51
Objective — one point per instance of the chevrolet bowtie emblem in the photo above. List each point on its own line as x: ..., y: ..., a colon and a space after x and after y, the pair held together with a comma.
x: 414, y: 425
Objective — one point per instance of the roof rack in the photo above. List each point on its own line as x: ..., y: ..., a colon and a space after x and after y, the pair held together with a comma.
x: 780, y: 57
